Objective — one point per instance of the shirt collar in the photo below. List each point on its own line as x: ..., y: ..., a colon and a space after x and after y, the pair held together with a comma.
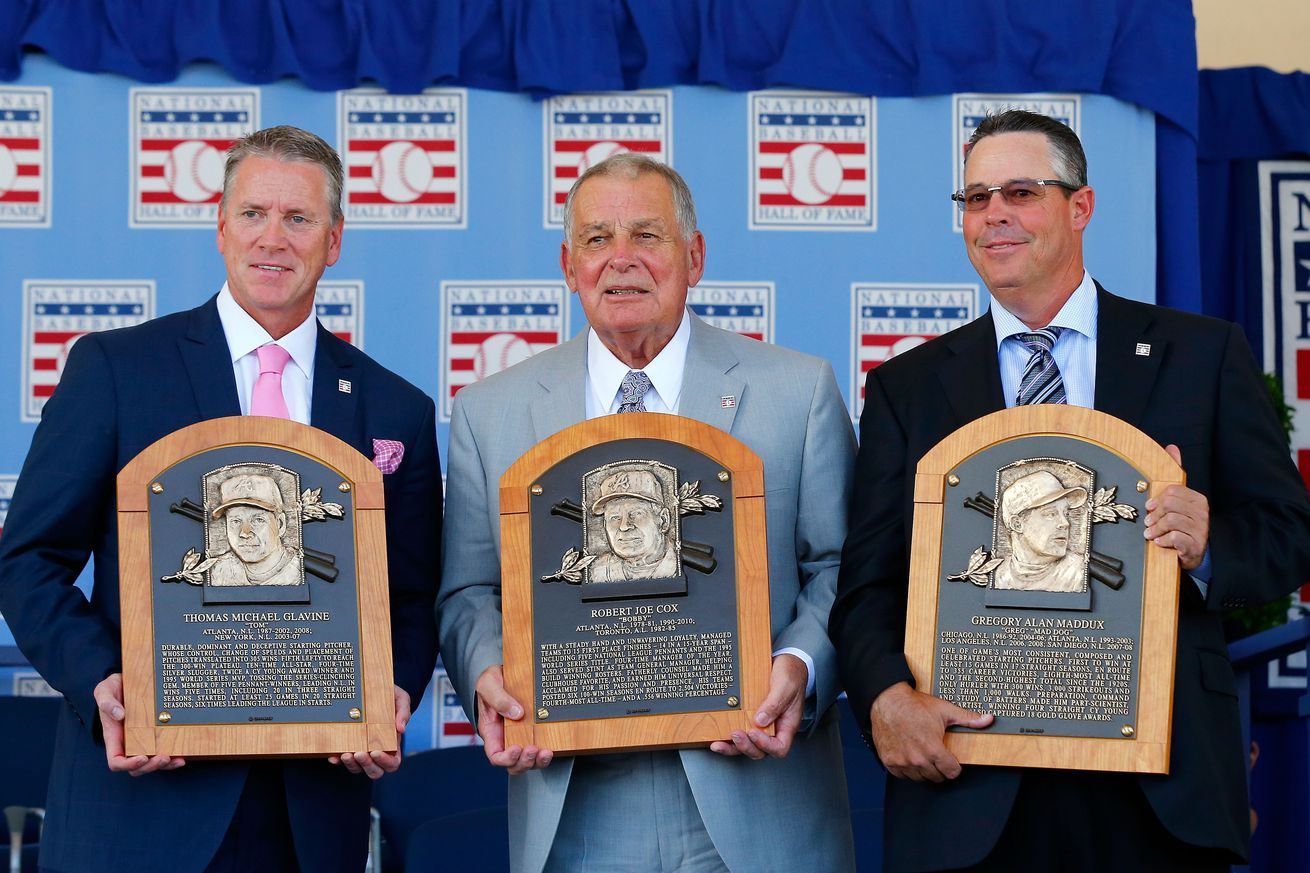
x: 1078, y: 314
x: 606, y: 372
x: 244, y: 334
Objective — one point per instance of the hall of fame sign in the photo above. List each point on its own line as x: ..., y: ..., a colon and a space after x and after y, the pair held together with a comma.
x: 57, y: 312
x: 339, y: 306
x: 812, y: 161
x: 1285, y: 262
x: 968, y: 111
x: 580, y: 130
x: 25, y: 165
x: 889, y: 318
x: 179, y: 136
x: 490, y: 326
x: 741, y: 307
x: 404, y: 157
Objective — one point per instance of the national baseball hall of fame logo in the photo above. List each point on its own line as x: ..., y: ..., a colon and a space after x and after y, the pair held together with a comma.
x: 812, y: 161
x: 404, y: 157
x: 25, y: 157
x: 581, y: 130
x: 969, y: 110
x: 1285, y: 263
x: 490, y: 326
x: 57, y: 312
x: 179, y: 136
x: 339, y: 307
x: 741, y: 307
x: 891, y: 318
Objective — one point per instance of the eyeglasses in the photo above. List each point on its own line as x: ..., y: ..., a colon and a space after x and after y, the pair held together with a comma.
x: 1017, y: 192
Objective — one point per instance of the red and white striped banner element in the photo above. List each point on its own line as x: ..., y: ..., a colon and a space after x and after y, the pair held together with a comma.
x: 25, y: 157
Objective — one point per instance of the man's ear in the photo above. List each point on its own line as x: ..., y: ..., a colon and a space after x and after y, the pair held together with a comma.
x: 664, y: 521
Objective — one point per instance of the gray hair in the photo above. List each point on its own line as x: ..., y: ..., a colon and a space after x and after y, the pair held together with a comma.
x: 632, y: 165
x: 287, y: 143
x: 1067, y: 157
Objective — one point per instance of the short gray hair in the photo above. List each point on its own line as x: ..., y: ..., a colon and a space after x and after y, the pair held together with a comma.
x: 1068, y: 159
x: 287, y: 143
x: 632, y: 165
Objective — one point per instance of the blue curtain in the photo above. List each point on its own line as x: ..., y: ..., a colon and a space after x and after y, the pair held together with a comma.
x: 1246, y: 115
x: 1140, y: 51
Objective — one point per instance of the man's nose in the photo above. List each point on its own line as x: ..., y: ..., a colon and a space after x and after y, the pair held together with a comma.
x: 246, y: 530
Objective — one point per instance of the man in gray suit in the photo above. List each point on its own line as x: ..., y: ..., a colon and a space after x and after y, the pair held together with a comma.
x: 752, y: 801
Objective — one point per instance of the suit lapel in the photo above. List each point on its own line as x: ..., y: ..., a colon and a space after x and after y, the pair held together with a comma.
x: 707, y: 380
x: 562, y: 401
x: 335, y: 405
x: 971, y: 379
x: 208, y: 363
x: 1124, y: 378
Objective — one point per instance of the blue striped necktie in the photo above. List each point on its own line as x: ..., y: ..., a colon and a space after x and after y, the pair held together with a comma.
x: 634, y: 388
x: 1041, y: 381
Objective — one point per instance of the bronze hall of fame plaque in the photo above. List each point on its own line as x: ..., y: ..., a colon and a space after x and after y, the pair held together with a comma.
x: 636, y: 585
x: 254, y: 599
x: 1034, y: 595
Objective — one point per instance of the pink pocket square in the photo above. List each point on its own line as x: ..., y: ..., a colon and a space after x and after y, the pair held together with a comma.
x: 387, y: 454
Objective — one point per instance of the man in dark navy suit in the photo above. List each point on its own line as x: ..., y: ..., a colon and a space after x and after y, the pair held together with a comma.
x: 1240, y: 529
x: 279, y: 226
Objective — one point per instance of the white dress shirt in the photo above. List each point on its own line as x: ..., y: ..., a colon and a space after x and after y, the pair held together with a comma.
x: 245, y: 335
x: 604, y: 392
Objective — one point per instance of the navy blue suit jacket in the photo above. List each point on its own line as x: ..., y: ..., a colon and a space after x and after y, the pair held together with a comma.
x: 1198, y: 389
x: 121, y: 391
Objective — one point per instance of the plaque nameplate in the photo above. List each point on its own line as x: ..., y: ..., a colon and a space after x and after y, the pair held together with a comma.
x: 254, y: 599
x: 635, y: 586
x: 1035, y: 597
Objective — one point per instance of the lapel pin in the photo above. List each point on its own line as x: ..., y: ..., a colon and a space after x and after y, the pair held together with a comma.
x: 1144, y: 350
x: 344, y: 387
x: 728, y: 401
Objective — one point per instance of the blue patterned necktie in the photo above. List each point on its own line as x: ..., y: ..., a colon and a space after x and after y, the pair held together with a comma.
x: 1041, y: 381
x: 634, y: 388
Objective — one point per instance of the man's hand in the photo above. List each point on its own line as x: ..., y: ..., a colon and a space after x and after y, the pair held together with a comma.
x: 109, y: 701
x: 374, y: 764
x: 1179, y: 519
x: 908, y: 727
x: 494, y: 705
x: 782, y: 707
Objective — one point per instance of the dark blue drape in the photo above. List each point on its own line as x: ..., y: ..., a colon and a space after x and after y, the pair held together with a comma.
x: 1140, y: 51
x: 1247, y: 115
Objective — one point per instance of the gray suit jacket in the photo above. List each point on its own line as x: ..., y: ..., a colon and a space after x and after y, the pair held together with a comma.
x: 783, y: 815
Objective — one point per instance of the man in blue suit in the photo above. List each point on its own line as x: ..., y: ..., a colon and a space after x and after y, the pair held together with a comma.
x: 752, y: 801
x: 279, y: 226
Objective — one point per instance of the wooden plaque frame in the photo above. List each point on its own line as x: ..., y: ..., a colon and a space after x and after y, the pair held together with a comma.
x: 746, y: 474
x: 1147, y: 751
x: 144, y: 734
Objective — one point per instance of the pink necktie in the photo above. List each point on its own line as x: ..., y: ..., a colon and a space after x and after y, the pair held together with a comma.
x: 266, y: 398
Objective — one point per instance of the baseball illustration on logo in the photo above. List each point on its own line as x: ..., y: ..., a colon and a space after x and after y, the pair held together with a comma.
x: 499, y: 352
x: 812, y: 173
x: 25, y: 163
x: 180, y: 137
x: 491, y: 326
x: 194, y: 171
x: 812, y: 161
x: 402, y: 171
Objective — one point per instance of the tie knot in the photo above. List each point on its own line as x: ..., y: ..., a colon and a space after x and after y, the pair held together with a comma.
x: 634, y: 388
x: 1042, y: 340
x: 272, y: 359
